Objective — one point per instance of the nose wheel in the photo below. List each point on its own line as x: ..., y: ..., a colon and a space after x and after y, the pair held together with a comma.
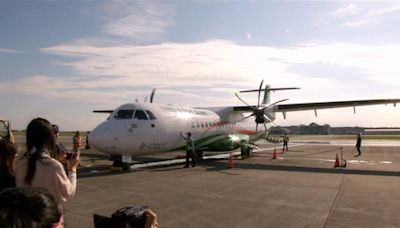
x: 118, y: 164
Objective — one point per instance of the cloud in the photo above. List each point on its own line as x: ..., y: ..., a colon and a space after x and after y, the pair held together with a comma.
x: 364, y: 14
x: 349, y: 9
x: 215, y: 63
x: 2, y: 50
x: 356, y: 23
x: 58, y: 88
x: 248, y: 36
x: 141, y: 20
x: 384, y: 11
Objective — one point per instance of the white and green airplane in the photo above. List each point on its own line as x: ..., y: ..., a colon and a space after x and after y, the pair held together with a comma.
x: 143, y: 128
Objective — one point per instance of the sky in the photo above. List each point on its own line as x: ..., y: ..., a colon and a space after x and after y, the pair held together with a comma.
x: 62, y: 59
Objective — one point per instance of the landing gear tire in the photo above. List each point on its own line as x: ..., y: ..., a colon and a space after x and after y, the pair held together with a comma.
x: 246, y: 152
x: 119, y: 165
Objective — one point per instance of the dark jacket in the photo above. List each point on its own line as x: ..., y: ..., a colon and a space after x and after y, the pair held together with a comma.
x: 6, y: 181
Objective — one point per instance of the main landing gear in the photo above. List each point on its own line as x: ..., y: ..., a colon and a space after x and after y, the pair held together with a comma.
x: 120, y: 163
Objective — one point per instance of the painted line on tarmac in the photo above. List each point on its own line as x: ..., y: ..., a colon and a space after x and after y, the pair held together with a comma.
x: 357, y: 162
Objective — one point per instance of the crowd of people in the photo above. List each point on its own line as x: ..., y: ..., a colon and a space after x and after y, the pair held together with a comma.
x: 35, y: 185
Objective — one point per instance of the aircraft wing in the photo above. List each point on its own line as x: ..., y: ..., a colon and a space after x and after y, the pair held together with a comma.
x: 332, y: 104
x: 318, y: 105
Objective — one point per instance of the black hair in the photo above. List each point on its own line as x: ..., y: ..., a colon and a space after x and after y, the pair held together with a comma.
x: 7, y: 155
x: 56, y: 129
x: 39, y: 137
x: 28, y: 207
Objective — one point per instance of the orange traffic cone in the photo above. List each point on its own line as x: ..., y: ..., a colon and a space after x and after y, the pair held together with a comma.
x: 230, y: 161
x: 337, y: 163
x: 274, y: 154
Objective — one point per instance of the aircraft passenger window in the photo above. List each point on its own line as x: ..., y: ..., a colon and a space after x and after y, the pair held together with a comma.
x: 124, y: 114
x: 141, y: 115
x: 151, y: 115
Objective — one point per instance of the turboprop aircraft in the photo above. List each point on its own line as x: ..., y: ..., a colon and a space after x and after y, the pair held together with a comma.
x: 143, y: 128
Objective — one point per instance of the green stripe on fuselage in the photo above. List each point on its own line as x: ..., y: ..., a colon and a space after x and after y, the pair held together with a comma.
x: 218, y: 142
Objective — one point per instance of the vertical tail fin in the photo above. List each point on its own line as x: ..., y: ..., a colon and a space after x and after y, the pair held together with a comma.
x: 267, y: 97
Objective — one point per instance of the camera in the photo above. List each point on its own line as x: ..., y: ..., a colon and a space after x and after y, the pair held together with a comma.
x: 132, y: 215
x: 68, y: 156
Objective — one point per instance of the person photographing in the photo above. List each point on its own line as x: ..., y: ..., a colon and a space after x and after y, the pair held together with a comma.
x: 39, y: 168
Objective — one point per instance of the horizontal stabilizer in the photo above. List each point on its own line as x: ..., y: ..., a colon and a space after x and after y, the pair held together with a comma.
x: 268, y: 89
x: 103, y: 111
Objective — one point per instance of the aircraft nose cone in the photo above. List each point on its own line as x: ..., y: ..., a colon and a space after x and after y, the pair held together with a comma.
x: 98, y: 138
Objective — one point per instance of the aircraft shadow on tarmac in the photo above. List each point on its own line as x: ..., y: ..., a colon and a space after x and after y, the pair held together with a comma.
x: 95, y: 156
x: 219, y: 165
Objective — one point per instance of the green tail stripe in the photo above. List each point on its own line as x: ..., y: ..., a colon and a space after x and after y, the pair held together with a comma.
x: 223, y: 141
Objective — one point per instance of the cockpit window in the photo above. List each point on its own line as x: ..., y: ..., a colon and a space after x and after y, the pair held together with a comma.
x: 151, y: 115
x: 124, y: 114
x: 141, y: 115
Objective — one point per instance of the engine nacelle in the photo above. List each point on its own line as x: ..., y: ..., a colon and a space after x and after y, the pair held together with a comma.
x: 270, y: 114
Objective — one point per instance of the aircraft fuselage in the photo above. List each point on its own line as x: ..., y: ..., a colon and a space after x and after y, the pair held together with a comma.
x: 145, y: 128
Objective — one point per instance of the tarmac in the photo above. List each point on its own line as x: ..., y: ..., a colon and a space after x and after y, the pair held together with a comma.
x: 298, y: 189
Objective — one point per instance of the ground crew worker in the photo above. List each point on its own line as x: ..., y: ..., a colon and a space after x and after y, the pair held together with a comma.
x: 358, y: 144
x: 190, y: 150
x: 88, y: 146
x: 77, y: 142
x: 285, y: 143
x: 243, y: 148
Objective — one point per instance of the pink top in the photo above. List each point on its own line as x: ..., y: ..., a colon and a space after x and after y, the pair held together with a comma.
x: 49, y: 175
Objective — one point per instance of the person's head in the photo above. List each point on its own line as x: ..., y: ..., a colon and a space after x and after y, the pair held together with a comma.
x: 28, y: 207
x: 56, y: 130
x: 8, y: 151
x: 77, y: 133
x: 60, y: 153
x: 39, y: 137
x: 40, y: 134
x: 189, y: 134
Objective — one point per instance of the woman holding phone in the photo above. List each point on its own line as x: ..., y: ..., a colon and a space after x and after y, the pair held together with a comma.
x: 39, y: 168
